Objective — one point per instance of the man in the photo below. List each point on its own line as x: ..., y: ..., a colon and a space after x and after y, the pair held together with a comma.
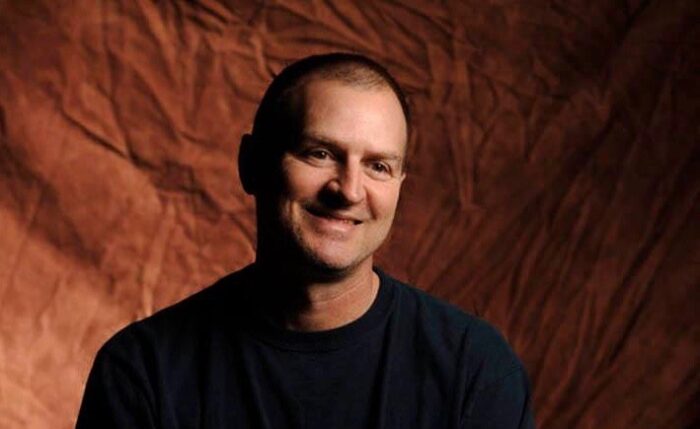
x: 312, y: 335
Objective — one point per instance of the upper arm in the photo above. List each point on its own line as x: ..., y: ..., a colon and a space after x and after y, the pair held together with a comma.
x: 116, y: 395
x: 502, y: 404
x: 497, y: 393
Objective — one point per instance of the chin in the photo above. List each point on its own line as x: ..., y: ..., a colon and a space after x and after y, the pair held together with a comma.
x: 332, y: 263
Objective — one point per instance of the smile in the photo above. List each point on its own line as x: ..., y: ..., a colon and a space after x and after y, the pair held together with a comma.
x: 335, y: 218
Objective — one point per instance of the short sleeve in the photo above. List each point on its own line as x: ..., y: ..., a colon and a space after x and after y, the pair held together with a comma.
x: 115, y: 395
x: 497, y: 392
x: 504, y: 404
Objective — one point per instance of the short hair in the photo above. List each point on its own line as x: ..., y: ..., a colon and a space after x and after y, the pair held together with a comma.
x: 274, y: 120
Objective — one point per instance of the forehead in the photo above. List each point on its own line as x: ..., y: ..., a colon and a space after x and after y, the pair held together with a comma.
x: 353, y: 114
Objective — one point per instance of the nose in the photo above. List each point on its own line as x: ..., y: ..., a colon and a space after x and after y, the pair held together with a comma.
x: 348, y: 184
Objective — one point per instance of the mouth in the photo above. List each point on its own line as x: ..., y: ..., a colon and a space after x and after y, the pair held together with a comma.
x: 348, y: 220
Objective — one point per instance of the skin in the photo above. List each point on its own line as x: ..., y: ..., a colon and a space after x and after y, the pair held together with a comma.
x: 333, y: 205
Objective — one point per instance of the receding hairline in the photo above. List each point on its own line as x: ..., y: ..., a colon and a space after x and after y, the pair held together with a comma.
x: 353, y: 70
x: 351, y: 74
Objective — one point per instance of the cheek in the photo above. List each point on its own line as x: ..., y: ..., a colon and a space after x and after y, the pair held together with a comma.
x: 386, y: 200
x: 302, y: 181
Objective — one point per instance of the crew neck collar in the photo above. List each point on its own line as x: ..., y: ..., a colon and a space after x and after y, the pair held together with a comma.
x: 328, y: 340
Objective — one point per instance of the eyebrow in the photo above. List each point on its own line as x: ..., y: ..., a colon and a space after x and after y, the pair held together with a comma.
x: 333, y: 144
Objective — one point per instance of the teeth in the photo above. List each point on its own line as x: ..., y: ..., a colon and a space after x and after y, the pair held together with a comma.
x: 349, y: 221
x: 336, y: 219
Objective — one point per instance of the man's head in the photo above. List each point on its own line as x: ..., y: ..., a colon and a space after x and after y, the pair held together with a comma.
x: 325, y: 162
x: 278, y: 118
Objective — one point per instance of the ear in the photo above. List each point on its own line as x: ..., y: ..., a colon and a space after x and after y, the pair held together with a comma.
x: 247, y: 164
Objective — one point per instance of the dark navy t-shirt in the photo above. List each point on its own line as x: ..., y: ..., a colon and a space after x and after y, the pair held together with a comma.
x: 211, y: 361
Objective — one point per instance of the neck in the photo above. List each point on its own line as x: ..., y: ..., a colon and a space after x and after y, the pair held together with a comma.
x: 301, y: 302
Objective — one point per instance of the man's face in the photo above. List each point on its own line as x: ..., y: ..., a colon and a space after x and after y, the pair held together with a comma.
x: 340, y: 181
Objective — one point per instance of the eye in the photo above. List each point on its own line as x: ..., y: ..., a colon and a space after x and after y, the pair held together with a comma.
x: 321, y: 154
x: 380, y: 169
x: 318, y: 156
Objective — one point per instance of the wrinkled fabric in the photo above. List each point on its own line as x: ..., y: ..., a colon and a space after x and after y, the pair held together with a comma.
x: 552, y: 185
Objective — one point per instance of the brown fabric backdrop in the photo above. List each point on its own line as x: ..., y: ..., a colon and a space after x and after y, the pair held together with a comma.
x: 553, y: 187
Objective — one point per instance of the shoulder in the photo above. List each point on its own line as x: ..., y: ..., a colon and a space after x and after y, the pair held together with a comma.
x: 186, y: 320
x: 477, y: 343
x: 489, y: 384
